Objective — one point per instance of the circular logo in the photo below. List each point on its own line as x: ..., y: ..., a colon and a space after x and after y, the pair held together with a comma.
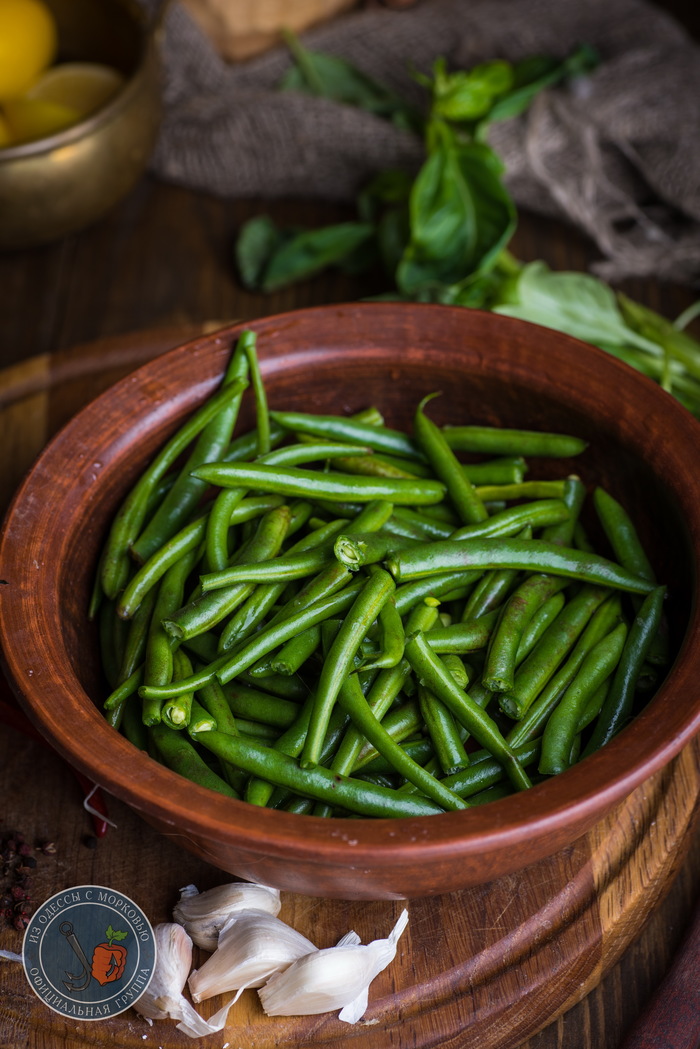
x: 89, y: 952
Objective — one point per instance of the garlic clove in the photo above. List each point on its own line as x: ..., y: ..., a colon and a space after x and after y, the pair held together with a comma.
x: 163, y: 996
x: 334, y: 978
x: 252, y: 946
x: 203, y: 914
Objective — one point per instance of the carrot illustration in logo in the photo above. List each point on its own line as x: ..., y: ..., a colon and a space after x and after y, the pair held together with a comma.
x: 109, y: 959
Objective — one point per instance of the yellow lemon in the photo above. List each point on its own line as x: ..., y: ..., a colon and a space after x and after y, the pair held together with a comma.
x: 81, y: 86
x: 29, y: 119
x: 28, y: 43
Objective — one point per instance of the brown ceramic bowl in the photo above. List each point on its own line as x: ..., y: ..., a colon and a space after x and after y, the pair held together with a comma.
x: 643, y: 448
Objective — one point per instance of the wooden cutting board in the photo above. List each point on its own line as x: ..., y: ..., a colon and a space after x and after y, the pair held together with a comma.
x: 488, y: 966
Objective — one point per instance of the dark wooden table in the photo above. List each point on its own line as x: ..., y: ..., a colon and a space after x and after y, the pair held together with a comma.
x: 163, y: 262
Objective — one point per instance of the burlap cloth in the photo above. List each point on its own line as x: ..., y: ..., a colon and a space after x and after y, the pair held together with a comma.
x: 617, y: 153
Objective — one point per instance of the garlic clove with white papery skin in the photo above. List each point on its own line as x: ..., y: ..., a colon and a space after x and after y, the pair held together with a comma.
x: 333, y: 978
x: 252, y: 946
x: 163, y: 998
x: 204, y: 914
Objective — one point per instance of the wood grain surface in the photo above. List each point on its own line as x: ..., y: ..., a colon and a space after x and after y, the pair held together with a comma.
x: 490, y: 966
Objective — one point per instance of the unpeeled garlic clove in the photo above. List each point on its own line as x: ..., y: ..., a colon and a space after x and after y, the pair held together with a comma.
x: 203, y: 914
x: 252, y: 946
x: 334, y: 978
x: 163, y: 996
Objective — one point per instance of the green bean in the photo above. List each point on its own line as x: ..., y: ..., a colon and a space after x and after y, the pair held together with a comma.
x: 336, y: 576
x: 627, y: 548
x: 440, y: 723
x: 618, y: 704
x: 248, y: 342
x: 283, y: 567
x: 286, y: 686
x: 622, y: 535
x: 537, y: 514
x: 249, y: 652
x: 263, y: 599
x: 392, y: 639
x: 420, y: 750
x: 258, y: 705
x: 493, y: 440
x: 469, y: 636
x: 460, y: 490
x: 499, y: 669
x: 562, y: 726
x: 352, y: 701
x: 411, y: 594
x: 214, y: 701
x: 327, y: 485
x: 365, y: 608
x: 338, y: 427
x: 485, y: 771
x: 353, y: 795
x: 136, y: 638
x: 128, y: 520
x: 525, y: 490
x: 573, y: 496
x: 115, y: 701
x: 158, y: 659
x: 357, y: 549
x: 295, y: 652
x: 179, y: 755
x: 200, y: 719
x: 176, y: 711
x: 602, y: 622
x: 401, y: 723
x: 540, y: 621
x: 187, y: 539
x: 533, y: 555
x: 259, y: 789
x: 208, y: 609
x: 421, y: 524
x: 214, y: 439
x: 534, y: 673
x: 484, y: 729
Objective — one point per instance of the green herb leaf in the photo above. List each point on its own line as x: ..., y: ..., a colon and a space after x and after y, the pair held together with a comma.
x: 461, y: 216
x: 310, y: 251
x: 257, y: 242
x: 328, y: 76
x: 533, y: 75
x: 576, y: 303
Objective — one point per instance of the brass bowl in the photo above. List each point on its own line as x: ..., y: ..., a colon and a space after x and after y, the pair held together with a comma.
x: 59, y: 184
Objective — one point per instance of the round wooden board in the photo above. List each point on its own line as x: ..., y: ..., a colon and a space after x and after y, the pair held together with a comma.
x: 488, y: 966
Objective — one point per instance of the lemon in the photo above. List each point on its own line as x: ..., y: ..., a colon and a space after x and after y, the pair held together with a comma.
x: 28, y: 119
x: 28, y: 41
x: 80, y: 86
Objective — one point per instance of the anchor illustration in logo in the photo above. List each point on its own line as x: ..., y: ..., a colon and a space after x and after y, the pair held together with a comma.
x: 108, y: 959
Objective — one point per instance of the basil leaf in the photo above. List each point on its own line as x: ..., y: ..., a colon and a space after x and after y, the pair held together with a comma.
x: 534, y: 74
x: 311, y: 251
x: 576, y: 303
x: 461, y: 216
x: 328, y: 76
x: 257, y: 241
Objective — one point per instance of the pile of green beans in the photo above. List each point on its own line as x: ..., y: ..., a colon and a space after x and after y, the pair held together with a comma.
x: 325, y: 615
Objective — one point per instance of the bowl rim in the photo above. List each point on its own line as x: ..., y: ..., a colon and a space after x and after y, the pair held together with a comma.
x: 560, y: 801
